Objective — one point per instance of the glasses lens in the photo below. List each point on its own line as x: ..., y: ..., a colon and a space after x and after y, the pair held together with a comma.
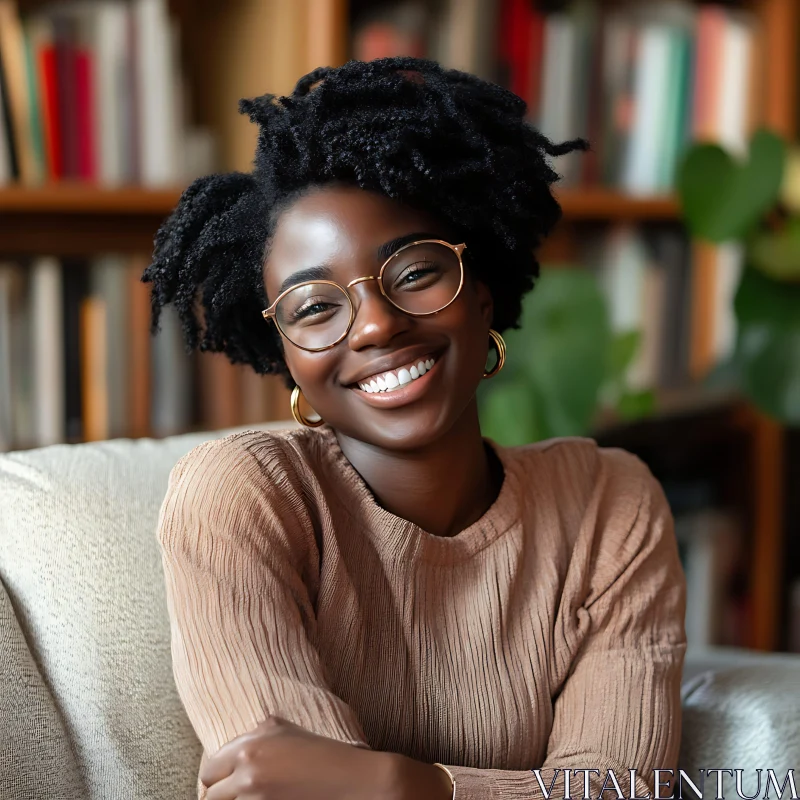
x: 313, y: 315
x: 423, y: 278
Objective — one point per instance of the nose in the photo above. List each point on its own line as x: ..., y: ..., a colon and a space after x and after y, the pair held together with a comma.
x: 376, y: 320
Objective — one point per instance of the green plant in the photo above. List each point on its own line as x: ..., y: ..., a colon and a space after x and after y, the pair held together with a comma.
x: 753, y: 201
x: 561, y: 361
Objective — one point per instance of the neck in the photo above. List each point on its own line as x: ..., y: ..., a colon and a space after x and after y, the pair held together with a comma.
x: 443, y: 488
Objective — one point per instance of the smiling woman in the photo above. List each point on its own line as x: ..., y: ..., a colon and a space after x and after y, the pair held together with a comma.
x: 386, y: 604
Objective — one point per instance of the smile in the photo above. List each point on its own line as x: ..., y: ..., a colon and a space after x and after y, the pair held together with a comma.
x: 396, y: 378
x: 401, y: 385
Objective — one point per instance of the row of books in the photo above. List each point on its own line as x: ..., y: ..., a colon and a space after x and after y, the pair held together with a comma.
x: 78, y: 363
x: 712, y: 546
x: 638, y: 80
x: 93, y: 91
x: 678, y: 294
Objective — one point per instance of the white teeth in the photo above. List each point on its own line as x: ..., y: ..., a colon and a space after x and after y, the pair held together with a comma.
x: 391, y: 380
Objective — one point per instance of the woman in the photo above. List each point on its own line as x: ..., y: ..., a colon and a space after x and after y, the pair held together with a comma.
x: 384, y: 604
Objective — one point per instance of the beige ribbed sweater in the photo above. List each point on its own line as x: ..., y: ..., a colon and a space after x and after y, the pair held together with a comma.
x: 549, y: 633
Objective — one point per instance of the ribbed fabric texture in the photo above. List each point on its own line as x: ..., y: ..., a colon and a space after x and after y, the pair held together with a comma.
x: 548, y: 634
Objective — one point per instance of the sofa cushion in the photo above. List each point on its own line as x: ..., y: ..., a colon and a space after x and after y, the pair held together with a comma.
x: 743, y: 717
x: 84, y: 627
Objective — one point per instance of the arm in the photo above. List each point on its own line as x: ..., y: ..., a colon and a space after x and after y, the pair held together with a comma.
x: 619, y: 707
x: 239, y: 556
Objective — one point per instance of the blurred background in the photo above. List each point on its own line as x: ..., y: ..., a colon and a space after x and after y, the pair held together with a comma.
x: 667, y: 317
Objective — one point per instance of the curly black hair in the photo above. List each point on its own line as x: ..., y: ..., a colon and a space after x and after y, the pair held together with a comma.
x: 441, y: 140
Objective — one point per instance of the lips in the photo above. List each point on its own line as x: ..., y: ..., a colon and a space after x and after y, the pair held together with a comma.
x: 405, y: 393
x: 393, y: 362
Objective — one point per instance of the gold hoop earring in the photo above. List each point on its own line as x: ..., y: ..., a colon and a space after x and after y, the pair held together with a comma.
x: 296, y: 411
x: 500, y: 346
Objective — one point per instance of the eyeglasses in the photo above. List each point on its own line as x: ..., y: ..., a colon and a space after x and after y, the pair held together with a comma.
x: 420, y: 278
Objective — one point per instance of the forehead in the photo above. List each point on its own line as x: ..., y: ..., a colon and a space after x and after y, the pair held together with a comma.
x: 341, y: 227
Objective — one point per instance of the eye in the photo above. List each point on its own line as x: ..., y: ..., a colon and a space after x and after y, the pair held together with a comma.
x: 313, y: 310
x: 417, y: 275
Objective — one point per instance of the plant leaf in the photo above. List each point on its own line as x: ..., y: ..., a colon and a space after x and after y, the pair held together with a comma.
x: 723, y: 199
x: 768, y: 343
x: 778, y: 254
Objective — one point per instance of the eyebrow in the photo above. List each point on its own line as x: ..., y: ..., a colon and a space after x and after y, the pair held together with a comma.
x: 324, y: 273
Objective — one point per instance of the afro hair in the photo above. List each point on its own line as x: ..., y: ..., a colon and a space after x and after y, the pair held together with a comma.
x: 440, y: 140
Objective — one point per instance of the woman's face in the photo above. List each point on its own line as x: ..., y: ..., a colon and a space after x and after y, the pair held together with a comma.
x: 342, y: 228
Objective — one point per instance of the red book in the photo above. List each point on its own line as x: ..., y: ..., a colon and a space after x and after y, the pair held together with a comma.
x: 534, y: 68
x: 65, y: 37
x: 84, y: 96
x: 519, y: 45
x: 50, y: 117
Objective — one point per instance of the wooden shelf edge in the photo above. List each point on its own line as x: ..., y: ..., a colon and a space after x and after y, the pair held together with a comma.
x: 76, y: 198
x: 80, y: 198
x: 597, y: 203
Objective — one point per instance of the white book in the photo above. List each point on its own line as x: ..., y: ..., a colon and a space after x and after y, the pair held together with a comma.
x: 110, y: 48
x: 710, y: 539
x: 651, y: 85
x: 172, y: 378
x: 556, y: 119
x: 47, y: 336
x: 469, y: 30
x: 622, y: 277
x: 730, y: 264
x: 159, y: 155
x: 732, y: 111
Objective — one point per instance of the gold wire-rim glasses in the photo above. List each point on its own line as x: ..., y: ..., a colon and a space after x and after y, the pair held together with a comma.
x: 458, y: 249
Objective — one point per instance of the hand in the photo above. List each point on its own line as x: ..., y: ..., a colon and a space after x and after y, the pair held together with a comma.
x: 279, y: 760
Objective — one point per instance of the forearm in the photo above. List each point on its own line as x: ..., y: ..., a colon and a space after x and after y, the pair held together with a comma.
x: 416, y: 780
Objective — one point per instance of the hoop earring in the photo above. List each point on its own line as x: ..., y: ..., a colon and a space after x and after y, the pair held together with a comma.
x: 296, y: 392
x: 500, y: 346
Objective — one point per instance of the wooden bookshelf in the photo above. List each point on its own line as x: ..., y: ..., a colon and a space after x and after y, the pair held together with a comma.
x: 240, y: 49
x: 76, y: 219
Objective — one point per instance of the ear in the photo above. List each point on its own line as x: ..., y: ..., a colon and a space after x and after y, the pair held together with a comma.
x: 485, y: 301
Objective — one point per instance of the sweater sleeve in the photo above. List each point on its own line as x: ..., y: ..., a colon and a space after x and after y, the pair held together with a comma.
x: 239, y: 555
x: 619, y: 708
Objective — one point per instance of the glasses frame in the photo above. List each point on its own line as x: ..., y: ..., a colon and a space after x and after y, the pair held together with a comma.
x: 270, y: 313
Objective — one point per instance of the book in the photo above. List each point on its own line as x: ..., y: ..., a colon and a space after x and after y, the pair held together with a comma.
x: 10, y: 274
x: 138, y: 354
x: 93, y: 360
x: 12, y: 53
x: 48, y: 362
x: 710, y: 545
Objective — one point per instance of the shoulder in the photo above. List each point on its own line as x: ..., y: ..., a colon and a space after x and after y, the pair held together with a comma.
x: 267, y: 458
x: 247, y: 481
x: 578, y: 469
x: 623, y: 519
x: 606, y: 498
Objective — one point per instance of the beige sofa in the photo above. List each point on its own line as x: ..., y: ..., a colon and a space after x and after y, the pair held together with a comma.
x: 87, y: 701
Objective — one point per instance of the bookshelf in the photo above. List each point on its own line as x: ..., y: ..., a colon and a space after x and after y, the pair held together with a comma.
x: 245, y: 47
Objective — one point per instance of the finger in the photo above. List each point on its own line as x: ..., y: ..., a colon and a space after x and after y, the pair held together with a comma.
x: 226, y: 789
x: 223, y: 762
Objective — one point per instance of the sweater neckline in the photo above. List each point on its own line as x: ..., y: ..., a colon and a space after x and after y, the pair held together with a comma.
x: 404, y: 537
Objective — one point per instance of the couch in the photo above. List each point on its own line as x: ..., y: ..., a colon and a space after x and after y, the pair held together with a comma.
x: 88, y: 705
